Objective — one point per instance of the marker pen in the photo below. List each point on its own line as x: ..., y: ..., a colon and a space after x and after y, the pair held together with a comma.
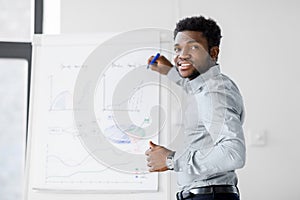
x: 153, y: 60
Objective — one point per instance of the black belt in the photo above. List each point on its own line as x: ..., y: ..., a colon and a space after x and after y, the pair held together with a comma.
x: 207, y: 190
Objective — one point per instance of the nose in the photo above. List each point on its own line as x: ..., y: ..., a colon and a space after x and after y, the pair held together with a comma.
x: 184, y: 54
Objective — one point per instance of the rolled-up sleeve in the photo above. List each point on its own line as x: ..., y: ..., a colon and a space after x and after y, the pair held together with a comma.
x: 175, y: 77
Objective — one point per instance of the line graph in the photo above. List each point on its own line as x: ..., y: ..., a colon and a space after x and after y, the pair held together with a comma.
x: 62, y: 101
x: 124, y: 104
x: 85, y: 170
x: 130, y: 103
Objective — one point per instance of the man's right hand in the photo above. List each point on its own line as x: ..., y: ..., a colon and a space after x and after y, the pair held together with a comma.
x: 162, y: 65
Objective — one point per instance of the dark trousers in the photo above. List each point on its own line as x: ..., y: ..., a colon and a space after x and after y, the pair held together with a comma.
x: 215, y: 196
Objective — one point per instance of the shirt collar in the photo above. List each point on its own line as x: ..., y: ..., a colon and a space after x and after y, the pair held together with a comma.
x: 199, y: 81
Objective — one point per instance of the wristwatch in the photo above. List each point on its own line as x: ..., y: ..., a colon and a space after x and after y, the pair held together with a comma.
x: 170, y: 161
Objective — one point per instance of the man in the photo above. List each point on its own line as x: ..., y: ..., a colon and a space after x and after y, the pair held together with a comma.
x: 214, y: 141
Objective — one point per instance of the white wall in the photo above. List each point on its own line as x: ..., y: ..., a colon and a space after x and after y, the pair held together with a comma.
x: 259, y: 51
x: 115, y: 15
x: 17, y: 20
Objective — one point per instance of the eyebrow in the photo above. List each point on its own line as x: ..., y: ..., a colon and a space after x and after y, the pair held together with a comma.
x: 189, y: 42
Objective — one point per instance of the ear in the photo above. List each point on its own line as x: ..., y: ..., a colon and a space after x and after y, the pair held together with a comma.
x: 214, y: 52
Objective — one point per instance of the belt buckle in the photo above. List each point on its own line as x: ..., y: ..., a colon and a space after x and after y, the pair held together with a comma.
x: 183, y: 195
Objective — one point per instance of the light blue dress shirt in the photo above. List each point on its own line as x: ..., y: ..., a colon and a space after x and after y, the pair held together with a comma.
x: 214, y: 145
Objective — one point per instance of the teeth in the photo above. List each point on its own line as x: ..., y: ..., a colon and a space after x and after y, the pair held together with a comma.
x: 184, y: 65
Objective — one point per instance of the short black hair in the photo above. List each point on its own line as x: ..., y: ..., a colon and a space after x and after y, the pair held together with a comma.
x: 209, y: 28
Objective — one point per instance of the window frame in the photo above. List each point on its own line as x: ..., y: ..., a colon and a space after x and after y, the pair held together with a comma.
x: 23, y: 50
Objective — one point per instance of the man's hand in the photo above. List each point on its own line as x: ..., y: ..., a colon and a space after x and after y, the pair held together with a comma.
x: 162, y: 65
x: 156, y: 157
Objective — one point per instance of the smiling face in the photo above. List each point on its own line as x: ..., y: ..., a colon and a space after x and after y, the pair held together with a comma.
x: 192, y: 57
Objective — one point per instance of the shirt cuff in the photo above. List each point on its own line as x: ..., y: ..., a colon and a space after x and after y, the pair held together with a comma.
x: 173, y: 75
x: 176, y: 163
x: 176, y: 166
